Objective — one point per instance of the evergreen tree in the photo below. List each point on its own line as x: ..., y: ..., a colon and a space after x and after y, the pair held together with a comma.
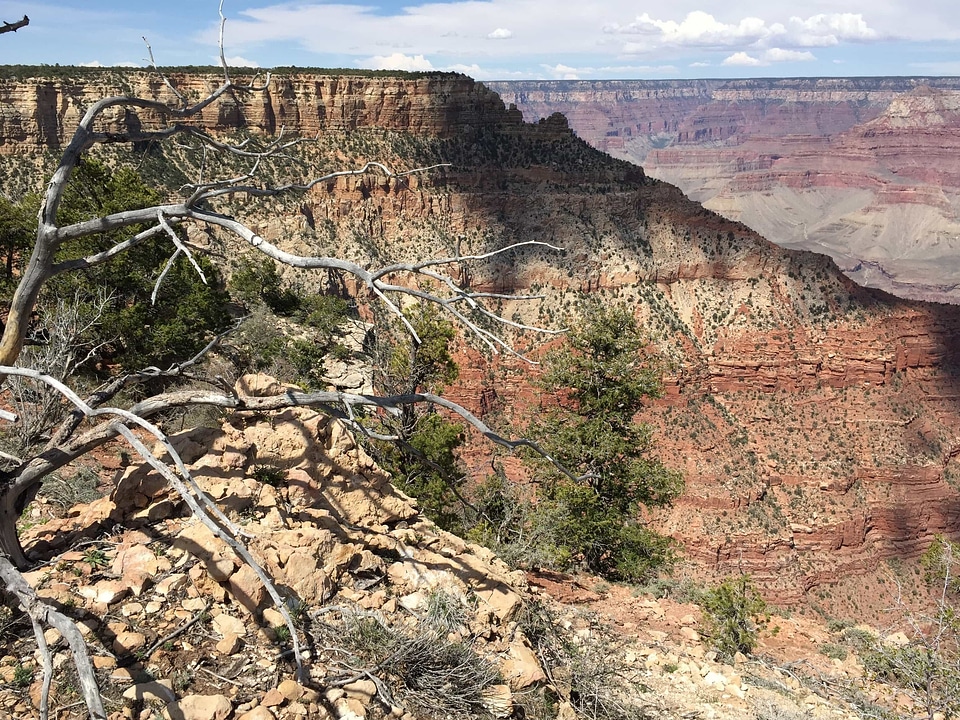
x: 423, y: 461
x: 602, y: 377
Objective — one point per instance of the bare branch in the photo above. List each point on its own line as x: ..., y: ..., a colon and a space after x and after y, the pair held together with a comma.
x: 198, y: 501
x: 40, y: 612
x: 14, y: 26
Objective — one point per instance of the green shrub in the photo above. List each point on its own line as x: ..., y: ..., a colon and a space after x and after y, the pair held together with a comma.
x: 834, y: 651
x: 137, y: 330
x: 733, y: 615
x: 259, y: 281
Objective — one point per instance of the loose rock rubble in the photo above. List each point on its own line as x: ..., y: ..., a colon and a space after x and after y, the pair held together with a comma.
x: 179, y: 627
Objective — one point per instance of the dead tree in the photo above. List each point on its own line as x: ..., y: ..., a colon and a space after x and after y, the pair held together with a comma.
x: 93, y: 421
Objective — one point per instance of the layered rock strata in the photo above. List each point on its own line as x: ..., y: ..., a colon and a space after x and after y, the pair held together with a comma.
x: 815, y: 421
x: 863, y: 169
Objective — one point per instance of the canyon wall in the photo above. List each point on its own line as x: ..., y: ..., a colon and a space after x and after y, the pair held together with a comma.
x: 817, y: 422
x: 863, y: 169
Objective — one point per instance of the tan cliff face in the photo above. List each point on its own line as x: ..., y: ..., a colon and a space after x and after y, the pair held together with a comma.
x: 817, y: 423
x: 38, y: 112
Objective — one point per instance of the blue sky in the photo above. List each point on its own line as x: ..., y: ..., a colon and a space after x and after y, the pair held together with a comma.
x: 505, y: 39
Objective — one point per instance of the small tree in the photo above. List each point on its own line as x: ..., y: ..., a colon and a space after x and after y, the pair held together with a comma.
x: 602, y: 377
x: 422, y: 459
x: 733, y: 614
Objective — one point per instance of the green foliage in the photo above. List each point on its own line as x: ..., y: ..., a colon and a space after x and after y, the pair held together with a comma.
x: 423, y: 461
x: 834, y: 651
x: 258, y: 342
x: 282, y: 633
x: 96, y: 558
x: 733, y: 613
x: 427, y: 365
x: 22, y: 676
x: 937, y: 561
x: 138, y: 332
x: 258, y: 285
x: 427, y: 468
x: 259, y: 281
x: 603, y: 375
x: 323, y: 313
x: 18, y: 229
x: 522, y: 532
x: 81, y: 487
x: 269, y: 475
x: 922, y: 671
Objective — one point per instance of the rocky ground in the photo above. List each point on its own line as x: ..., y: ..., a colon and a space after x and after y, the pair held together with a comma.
x: 399, y: 618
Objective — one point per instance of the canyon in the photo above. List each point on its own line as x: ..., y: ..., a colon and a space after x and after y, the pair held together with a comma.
x: 862, y: 169
x: 817, y: 422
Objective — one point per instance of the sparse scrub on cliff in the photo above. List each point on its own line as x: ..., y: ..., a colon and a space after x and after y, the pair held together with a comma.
x: 589, y: 674
x: 926, y: 666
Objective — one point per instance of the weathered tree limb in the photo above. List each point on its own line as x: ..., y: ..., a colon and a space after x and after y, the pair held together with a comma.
x: 14, y: 26
x: 71, y: 439
x: 41, y: 613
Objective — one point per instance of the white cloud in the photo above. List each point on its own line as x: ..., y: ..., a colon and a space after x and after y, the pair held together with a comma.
x: 700, y: 64
x: 768, y: 57
x: 827, y: 30
x: 397, y: 61
x: 562, y: 72
x: 239, y: 61
x: 774, y: 55
x: 697, y: 29
x: 98, y: 64
x: 581, y: 37
x: 474, y: 71
x: 743, y: 59
x: 566, y: 72
x: 702, y: 30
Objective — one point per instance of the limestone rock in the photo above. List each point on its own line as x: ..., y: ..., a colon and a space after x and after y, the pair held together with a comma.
x: 520, y: 668
x: 159, y: 690
x: 199, y: 707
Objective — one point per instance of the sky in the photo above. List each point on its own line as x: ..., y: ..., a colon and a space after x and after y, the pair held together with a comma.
x: 504, y: 39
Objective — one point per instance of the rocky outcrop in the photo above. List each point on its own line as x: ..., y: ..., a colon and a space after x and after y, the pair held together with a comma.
x: 39, y: 112
x: 328, y: 528
x: 179, y: 628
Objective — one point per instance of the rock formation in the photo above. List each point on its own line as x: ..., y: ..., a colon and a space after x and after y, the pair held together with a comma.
x: 862, y: 169
x: 816, y: 421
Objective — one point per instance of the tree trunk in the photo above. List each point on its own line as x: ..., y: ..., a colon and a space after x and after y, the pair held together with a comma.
x: 14, y: 499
